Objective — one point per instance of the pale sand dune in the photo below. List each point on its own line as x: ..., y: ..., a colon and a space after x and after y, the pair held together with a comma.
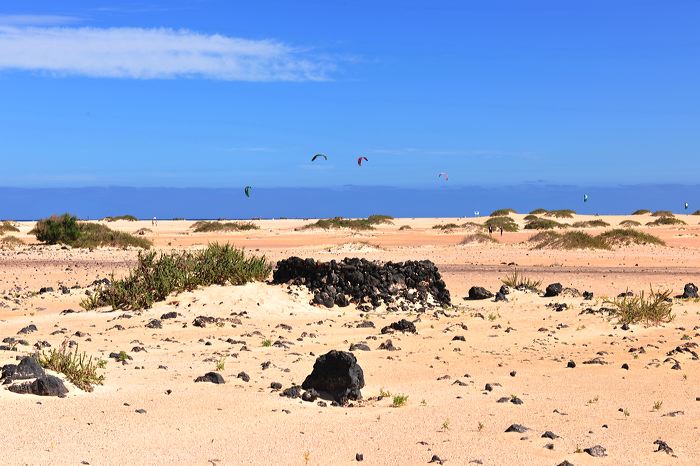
x: 245, y: 423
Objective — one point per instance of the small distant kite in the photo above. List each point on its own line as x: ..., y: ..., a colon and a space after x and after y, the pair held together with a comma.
x: 313, y: 159
x: 686, y: 206
x: 360, y: 159
x: 443, y: 174
x: 585, y: 198
x: 247, y: 190
x: 476, y: 213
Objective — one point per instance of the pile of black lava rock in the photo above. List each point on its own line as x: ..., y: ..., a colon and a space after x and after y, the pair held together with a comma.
x: 411, y: 285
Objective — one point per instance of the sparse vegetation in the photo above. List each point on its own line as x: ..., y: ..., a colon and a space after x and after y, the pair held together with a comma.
x: 652, y: 309
x: 591, y: 224
x: 519, y: 281
x: 641, y: 212
x: 697, y: 212
x: 221, y: 364
x: 502, y: 212
x: 205, y: 226
x: 446, y: 227
x: 340, y: 222
x: 266, y: 343
x: 568, y: 240
x: 65, y: 229
x: 7, y: 226
x: 480, y: 426
x: 544, y: 224
x: 478, y: 238
x: 658, y: 405
x: 399, y: 400
x: 157, y: 276
x: 663, y: 213
x: 79, y: 369
x: 380, y: 218
x: 630, y: 223
x: 626, y: 236
x: 384, y: 393
x: 507, y: 223
x: 561, y: 213
x: 405, y: 227
x: 539, y: 212
x: 662, y: 221
x: 10, y: 242
x: 128, y: 218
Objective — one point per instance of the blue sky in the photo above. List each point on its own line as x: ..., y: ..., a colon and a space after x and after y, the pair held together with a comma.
x: 221, y: 93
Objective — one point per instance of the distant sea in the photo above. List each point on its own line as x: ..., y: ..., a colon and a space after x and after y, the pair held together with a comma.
x: 346, y: 201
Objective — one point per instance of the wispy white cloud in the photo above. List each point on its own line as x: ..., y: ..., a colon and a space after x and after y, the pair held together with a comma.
x: 146, y: 53
x: 37, y: 20
x: 442, y: 152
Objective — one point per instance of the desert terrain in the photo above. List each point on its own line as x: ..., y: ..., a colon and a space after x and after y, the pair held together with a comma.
x: 471, y: 370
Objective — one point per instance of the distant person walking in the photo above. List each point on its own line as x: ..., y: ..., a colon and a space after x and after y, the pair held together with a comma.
x: 154, y: 222
x: 490, y: 230
x: 501, y: 231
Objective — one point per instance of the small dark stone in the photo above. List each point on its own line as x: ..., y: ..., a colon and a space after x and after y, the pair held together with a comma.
x: 359, y: 457
x: 550, y: 435
x: 154, y: 323
x: 28, y: 329
x: 388, y: 345
x: 690, y: 291
x: 310, y: 395
x: 553, y: 290
x: 625, y: 326
x: 276, y: 386
x: 500, y: 297
x: 213, y: 377
x: 292, y: 392
x: 513, y: 373
x: 141, y: 411
x: 243, y: 376
x: 458, y: 338
x: 169, y: 315
x: 436, y: 459
x: 571, y: 364
x: 517, y: 428
x: 359, y: 347
x: 596, y: 450
x: 663, y: 446
x: 587, y: 295
x: 626, y: 366
x: 565, y: 463
x: 488, y: 387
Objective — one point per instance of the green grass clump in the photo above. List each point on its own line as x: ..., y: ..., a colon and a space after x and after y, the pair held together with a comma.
x: 641, y: 212
x: 568, y: 240
x: 157, y: 276
x: 539, y: 211
x: 653, y: 309
x: 507, y: 223
x: 380, y: 218
x: 628, y: 236
x: 399, y: 400
x: 544, y: 224
x: 591, y: 224
x: 666, y: 221
x: 66, y: 229
x: 561, y: 213
x: 7, y: 226
x: 478, y: 238
x: 519, y: 281
x: 446, y: 226
x: 340, y: 222
x: 630, y: 223
x: 78, y: 368
x: 128, y: 218
x: 204, y: 226
x: 663, y: 213
x: 57, y: 229
x: 530, y: 217
x: 502, y: 212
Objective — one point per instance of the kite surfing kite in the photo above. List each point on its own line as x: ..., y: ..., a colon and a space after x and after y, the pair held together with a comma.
x: 313, y: 159
x: 360, y: 159
x: 247, y: 190
x: 585, y: 198
x: 686, y: 206
x: 440, y: 175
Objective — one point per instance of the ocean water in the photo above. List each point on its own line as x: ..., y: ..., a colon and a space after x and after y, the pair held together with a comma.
x: 346, y: 201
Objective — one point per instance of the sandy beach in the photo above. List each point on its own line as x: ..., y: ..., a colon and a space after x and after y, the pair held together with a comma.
x: 520, y: 348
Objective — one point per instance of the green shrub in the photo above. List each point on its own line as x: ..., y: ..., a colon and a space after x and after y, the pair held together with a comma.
x: 591, y: 224
x: 531, y: 217
x: 399, y: 400
x: 353, y: 224
x: 502, y: 212
x: 544, y: 224
x: 641, y: 212
x: 57, y: 229
x: 78, y: 368
x: 666, y: 221
x: 128, y: 218
x: 568, y: 240
x: 380, y: 218
x: 204, y: 226
x: 93, y: 235
x: 561, y: 213
x: 628, y: 236
x: 539, y: 211
x: 446, y: 226
x: 653, y: 309
x: 10, y: 242
x: 507, y: 223
x: 405, y: 227
x: 155, y: 277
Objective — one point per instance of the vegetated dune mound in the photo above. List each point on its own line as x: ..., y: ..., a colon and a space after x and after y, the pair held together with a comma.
x: 617, y: 237
x: 410, y: 285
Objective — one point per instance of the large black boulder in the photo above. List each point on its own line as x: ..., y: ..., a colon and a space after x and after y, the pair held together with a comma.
x: 28, y: 368
x: 553, y: 290
x: 478, y: 292
x: 213, y: 377
x: 47, y: 385
x: 337, y: 376
x: 402, y: 325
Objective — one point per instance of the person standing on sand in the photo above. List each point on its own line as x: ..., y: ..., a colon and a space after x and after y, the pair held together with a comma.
x: 501, y: 231
x: 490, y: 230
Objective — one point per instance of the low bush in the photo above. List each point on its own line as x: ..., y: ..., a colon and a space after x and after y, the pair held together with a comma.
x: 663, y: 213
x: 539, y: 211
x: 7, y: 226
x: 561, y: 213
x: 157, y: 276
x: 446, y: 226
x: 478, y: 238
x: 641, y: 212
x: 340, y: 222
x: 626, y: 236
x: 78, y: 368
x: 519, y: 281
x: 379, y: 218
x: 568, y: 240
x: 93, y: 235
x: 630, y: 223
x: 544, y: 224
x: 507, y: 223
x: 652, y: 309
x: 204, y: 226
x: 57, y: 229
x: 10, y: 242
x: 591, y: 224
x: 502, y: 212
x: 662, y: 221
x: 128, y: 218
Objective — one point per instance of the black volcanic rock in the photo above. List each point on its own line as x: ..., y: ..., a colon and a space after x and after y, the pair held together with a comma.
x: 337, y: 375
